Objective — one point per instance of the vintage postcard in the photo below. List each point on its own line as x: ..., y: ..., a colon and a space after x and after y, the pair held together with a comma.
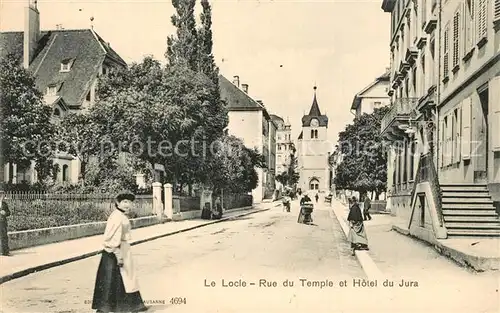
x: 329, y: 156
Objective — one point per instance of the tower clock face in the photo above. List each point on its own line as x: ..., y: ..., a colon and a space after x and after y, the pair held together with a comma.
x: 314, y: 122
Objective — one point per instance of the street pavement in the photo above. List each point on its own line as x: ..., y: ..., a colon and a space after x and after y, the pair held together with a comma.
x: 176, y: 272
x: 269, y: 245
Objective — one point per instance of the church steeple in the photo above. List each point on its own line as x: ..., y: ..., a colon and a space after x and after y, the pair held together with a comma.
x: 315, y: 113
x: 315, y: 107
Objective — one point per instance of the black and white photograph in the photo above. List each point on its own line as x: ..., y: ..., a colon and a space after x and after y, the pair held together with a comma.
x: 242, y: 156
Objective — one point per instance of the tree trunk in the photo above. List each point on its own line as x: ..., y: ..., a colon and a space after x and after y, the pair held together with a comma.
x: 377, y: 195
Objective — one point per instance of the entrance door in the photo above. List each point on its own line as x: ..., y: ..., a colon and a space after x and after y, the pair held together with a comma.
x: 481, y: 167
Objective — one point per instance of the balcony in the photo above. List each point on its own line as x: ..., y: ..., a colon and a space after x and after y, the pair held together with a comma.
x: 400, y: 112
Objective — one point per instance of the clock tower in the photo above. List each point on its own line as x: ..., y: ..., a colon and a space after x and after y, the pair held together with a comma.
x: 313, y: 148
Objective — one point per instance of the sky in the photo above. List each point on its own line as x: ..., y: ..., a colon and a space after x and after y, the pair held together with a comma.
x: 280, y: 48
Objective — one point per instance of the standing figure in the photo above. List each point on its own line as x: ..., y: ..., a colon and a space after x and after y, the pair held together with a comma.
x: 357, y: 235
x: 116, y: 286
x: 4, y: 212
x: 367, y: 207
x: 217, y: 210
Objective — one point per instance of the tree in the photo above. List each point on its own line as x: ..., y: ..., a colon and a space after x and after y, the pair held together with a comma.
x: 26, y: 131
x: 183, y: 49
x: 364, y: 164
x: 80, y: 136
x: 234, y: 166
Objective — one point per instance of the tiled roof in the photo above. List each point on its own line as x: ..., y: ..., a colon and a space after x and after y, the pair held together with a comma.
x: 84, y: 47
x: 236, y: 98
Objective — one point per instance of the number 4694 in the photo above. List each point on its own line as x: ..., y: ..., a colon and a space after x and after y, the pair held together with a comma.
x: 178, y: 300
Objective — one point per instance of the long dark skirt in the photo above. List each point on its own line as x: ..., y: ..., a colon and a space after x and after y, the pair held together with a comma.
x: 4, y: 238
x: 357, y: 236
x: 109, y: 291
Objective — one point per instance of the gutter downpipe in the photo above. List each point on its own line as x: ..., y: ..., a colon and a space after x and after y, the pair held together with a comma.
x: 438, y: 87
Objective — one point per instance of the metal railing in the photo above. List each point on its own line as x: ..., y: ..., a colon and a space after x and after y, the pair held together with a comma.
x: 400, y: 107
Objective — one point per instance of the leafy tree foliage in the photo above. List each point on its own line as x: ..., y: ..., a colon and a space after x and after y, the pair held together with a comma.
x: 290, y: 176
x: 364, y: 164
x: 26, y: 131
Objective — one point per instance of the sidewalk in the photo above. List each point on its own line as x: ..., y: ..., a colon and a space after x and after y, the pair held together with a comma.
x: 34, y: 259
x: 479, y: 253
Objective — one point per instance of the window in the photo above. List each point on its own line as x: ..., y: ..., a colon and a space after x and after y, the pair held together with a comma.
x: 414, y: 80
x: 496, y: 11
x: 424, y: 11
x: 65, y: 173
x: 312, y: 133
x: 446, y: 51
x: 469, y: 25
x: 422, y: 77
x: 466, y: 121
x: 66, y: 65
x: 482, y: 19
x: 51, y: 90
x: 456, y: 39
x: 432, y: 47
x: 57, y: 112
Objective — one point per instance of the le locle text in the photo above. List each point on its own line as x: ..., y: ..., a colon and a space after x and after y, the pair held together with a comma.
x: 306, y: 283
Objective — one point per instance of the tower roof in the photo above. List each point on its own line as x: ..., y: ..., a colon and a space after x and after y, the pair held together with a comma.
x: 315, y: 112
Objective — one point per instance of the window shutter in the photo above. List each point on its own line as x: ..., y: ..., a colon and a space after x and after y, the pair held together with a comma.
x: 449, y: 141
x: 482, y: 19
x: 458, y: 135
x: 446, y: 49
x: 441, y: 141
x: 494, y: 118
x: 456, y: 38
x: 496, y: 12
x: 466, y: 128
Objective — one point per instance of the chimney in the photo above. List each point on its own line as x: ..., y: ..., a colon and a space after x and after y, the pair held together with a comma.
x: 236, y: 81
x: 244, y: 87
x: 31, y: 32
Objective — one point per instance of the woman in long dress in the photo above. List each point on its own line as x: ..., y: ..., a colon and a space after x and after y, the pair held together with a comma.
x: 357, y: 234
x: 116, y: 286
x: 4, y: 237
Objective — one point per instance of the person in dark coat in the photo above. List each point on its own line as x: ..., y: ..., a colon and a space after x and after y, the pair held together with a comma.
x: 116, y: 285
x: 4, y: 212
x: 357, y: 234
x: 217, y: 210
x: 367, y: 207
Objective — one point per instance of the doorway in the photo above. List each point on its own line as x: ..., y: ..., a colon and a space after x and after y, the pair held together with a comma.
x: 481, y: 168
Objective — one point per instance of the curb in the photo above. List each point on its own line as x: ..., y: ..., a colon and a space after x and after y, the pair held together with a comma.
x: 474, y: 262
x: 369, y: 267
x: 42, y: 267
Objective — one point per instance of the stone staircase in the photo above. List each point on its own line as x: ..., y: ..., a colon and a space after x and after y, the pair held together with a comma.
x: 468, y: 210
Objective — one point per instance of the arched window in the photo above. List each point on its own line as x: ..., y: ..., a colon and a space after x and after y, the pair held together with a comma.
x: 65, y: 173
x: 57, y: 112
x: 314, y: 184
x: 316, y: 133
x: 312, y: 133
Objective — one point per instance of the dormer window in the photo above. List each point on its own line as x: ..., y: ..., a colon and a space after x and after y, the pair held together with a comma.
x: 52, y: 90
x: 66, y: 65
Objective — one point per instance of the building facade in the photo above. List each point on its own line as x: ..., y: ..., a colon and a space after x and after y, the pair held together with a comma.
x: 250, y: 121
x: 444, y: 110
x: 284, y: 143
x: 66, y: 65
x: 372, y: 96
x: 313, y: 150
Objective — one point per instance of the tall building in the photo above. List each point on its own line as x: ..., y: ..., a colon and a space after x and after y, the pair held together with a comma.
x: 372, y: 96
x: 443, y: 173
x: 250, y: 121
x: 313, y: 150
x: 284, y: 143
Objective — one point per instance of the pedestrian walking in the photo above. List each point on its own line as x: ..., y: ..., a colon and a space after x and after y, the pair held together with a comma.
x: 357, y: 234
x: 4, y: 237
x: 366, y: 208
x: 116, y: 286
